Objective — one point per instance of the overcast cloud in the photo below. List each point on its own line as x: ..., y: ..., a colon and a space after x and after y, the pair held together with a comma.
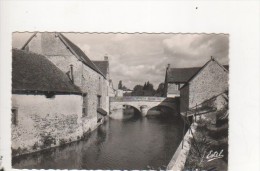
x: 136, y: 58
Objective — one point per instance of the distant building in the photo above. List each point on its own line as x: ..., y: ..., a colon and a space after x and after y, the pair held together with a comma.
x: 209, y: 81
x: 104, y: 68
x: 45, y: 104
x: 127, y: 91
x: 119, y: 93
x: 70, y: 59
x: 111, y: 90
x: 175, y: 78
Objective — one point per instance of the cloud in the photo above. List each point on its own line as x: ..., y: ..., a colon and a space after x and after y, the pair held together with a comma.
x: 195, y: 49
x: 136, y: 58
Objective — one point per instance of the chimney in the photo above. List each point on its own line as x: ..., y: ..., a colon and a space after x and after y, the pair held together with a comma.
x: 105, y: 58
x: 71, y: 72
x: 168, y: 66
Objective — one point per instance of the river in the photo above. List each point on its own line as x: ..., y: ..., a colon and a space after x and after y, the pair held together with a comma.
x: 133, y: 143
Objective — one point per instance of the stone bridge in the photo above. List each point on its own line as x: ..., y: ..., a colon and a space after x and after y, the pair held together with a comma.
x: 142, y: 103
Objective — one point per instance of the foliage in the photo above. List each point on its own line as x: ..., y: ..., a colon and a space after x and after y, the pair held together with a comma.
x: 35, y: 146
x: 138, y: 91
x: 160, y: 90
x: 19, y: 151
x: 47, y: 140
x: 146, y: 90
x: 120, y: 85
x: 208, y: 137
x: 62, y: 142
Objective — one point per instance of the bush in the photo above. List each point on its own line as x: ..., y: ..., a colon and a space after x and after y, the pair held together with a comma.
x: 47, y: 140
x: 62, y: 142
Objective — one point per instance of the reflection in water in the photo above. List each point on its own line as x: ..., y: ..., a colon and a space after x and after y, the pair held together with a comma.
x: 133, y: 143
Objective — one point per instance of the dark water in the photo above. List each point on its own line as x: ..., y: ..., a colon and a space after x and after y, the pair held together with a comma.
x: 134, y: 143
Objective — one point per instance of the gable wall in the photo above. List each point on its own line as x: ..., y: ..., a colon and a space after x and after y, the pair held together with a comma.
x: 38, y: 118
x: 184, y: 99
x: 172, y: 90
x: 212, y: 80
x: 84, y: 77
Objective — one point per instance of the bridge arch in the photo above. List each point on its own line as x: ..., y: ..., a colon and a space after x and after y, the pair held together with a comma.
x: 143, y: 104
x: 127, y: 106
x: 161, y: 110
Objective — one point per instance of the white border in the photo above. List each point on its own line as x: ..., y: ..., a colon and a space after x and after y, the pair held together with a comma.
x: 240, y: 19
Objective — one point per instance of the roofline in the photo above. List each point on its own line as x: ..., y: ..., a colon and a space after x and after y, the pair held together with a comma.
x: 212, y: 59
x: 70, y: 48
x: 28, y: 41
x: 178, y: 82
x: 98, y: 70
x: 43, y: 92
x: 78, y: 89
x: 79, y: 57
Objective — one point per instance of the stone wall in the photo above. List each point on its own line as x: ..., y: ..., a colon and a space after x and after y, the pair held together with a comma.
x: 211, y: 81
x: 90, y: 82
x: 142, y: 106
x: 45, y: 122
x: 184, y: 98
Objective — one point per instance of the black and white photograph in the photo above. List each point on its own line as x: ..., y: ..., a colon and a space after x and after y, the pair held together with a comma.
x: 120, y: 101
x: 129, y: 85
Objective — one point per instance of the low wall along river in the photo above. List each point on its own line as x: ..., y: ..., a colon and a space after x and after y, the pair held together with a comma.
x: 134, y: 142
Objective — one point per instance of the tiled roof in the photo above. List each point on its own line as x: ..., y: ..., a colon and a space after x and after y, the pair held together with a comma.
x: 102, y: 65
x: 74, y: 49
x: 183, y: 75
x: 34, y: 72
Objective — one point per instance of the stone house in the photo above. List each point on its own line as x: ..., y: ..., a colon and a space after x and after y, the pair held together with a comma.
x: 71, y: 60
x: 175, y: 78
x: 209, y: 81
x: 46, y: 105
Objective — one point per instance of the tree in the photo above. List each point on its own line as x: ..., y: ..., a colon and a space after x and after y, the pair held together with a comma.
x: 145, y: 86
x: 160, y: 90
x: 138, y: 91
x: 120, y: 85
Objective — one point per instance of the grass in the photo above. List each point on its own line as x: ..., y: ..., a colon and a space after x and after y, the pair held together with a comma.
x: 209, y: 136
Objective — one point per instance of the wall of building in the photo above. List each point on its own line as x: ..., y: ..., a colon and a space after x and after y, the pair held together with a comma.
x: 90, y: 82
x: 95, y: 85
x: 45, y: 122
x: 211, y: 81
x: 184, y: 98
x: 119, y: 93
x: 172, y: 90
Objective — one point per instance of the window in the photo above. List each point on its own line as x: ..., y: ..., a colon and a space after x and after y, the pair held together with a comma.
x: 50, y: 95
x: 99, y: 101
x: 99, y: 84
x: 85, y: 105
x: 14, y: 116
x: 84, y: 111
x: 176, y: 87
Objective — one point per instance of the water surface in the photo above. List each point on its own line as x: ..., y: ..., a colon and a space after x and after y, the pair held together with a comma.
x: 133, y: 143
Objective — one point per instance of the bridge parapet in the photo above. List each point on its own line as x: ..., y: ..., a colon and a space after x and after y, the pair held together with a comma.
x: 137, y: 98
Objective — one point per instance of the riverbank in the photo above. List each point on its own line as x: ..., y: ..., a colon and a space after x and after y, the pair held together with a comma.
x: 112, y: 145
x: 49, y: 142
x: 178, y: 160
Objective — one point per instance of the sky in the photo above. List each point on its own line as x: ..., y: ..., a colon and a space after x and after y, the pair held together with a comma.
x: 138, y: 58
